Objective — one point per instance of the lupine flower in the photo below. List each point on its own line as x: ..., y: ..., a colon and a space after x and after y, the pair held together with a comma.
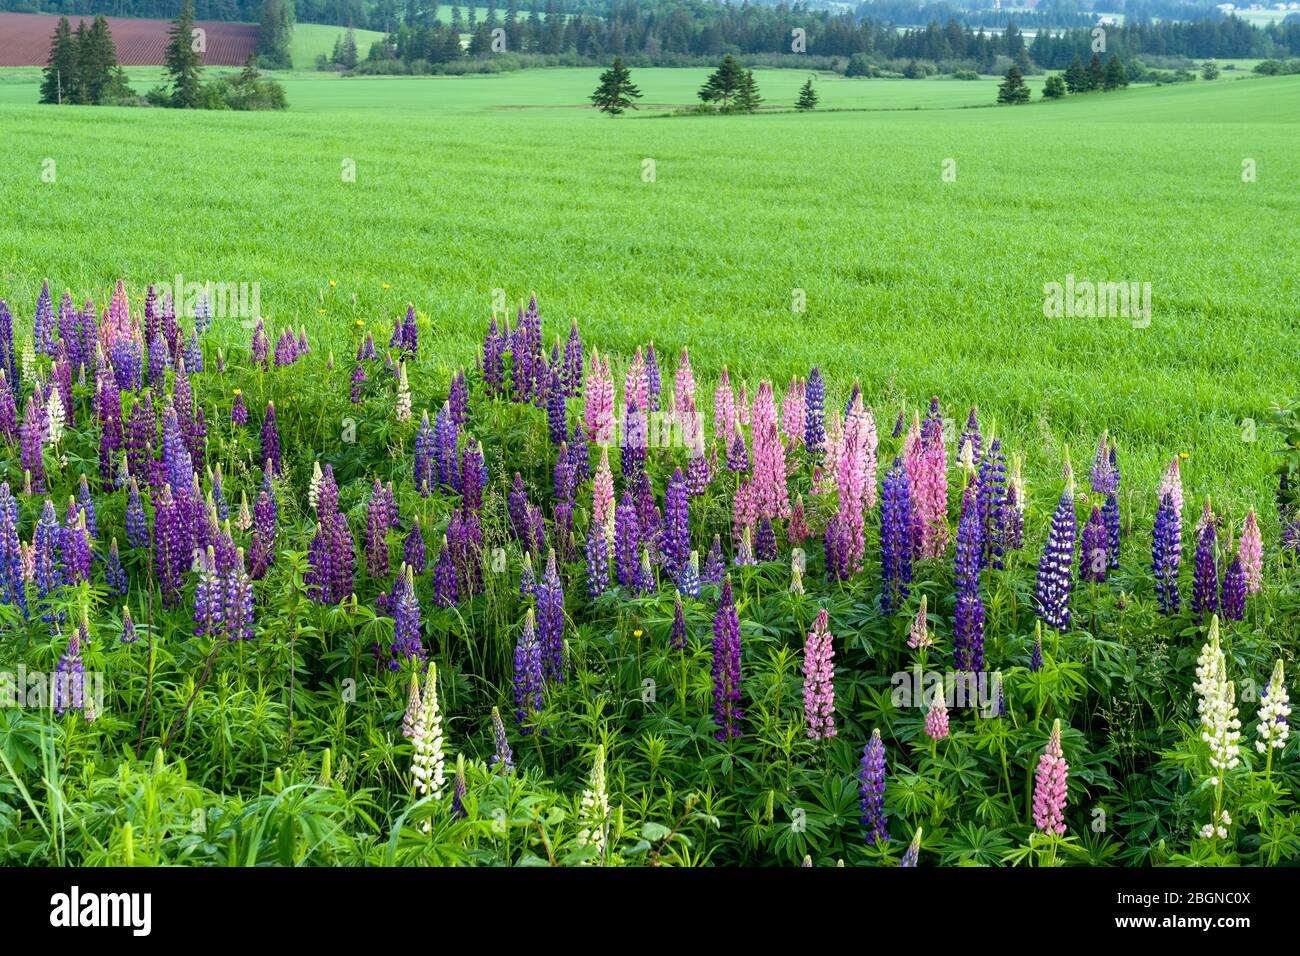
x: 1250, y: 550
x: 932, y: 485
x: 872, y: 776
x: 1172, y: 484
x: 1232, y: 599
x: 593, y: 808
x: 402, y: 405
x: 814, y: 416
x: 936, y: 718
x: 737, y: 455
x: 1274, y: 709
x: 12, y: 583
x: 919, y: 636
x: 968, y: 614
x: 1094, y: 559
x: 427, y: 741
x: 237, y: 600
x: 1166, y: 554
x: 913, y: 850
x: 69, y: 680
x: 1205, y: 577
x: 47, y: 573
x: 129, y: 635
x: 407, y: 645
x: 818, y: 683
x: 271, y: 439
x: 261, y: 346
x: 677, y: 633
x: 765, y: 541
x: 550, y: 621
x: 627, y: 534
x: 714, y: 566
x: 528, y: 678
x: 1051, y: 785
x: 332, y: 549
x: 1220, y: 726
x: 895, y: 539
x: 1055, y: 567
x: 771, y: 493
x: 459, y: 790
x: 598, y: 408
x: 44, y: 332
x: 493, y: 360
x: 31, y: 452
x: 745, y: 553
x: 413, y: 549
x: 446, y: 587
x: 675, y: 543
x: 1036, y: 654
x: 726, y: 667
x: 502, y: 760
x: 114, y: 573
x: 992, y: 504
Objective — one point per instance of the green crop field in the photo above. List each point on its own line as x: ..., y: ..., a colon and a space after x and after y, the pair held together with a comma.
x: 914, y: 284
x: 310, y: 40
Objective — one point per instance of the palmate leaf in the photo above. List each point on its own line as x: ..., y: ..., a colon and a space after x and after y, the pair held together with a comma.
x: 974, y: 844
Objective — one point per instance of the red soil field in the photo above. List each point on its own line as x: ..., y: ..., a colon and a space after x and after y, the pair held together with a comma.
x: 25, y: 40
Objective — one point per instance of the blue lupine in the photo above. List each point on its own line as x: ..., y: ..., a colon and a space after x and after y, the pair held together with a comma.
x: 872, y: 777
x: 1055, y: 567
x: 528, y: 680
x: 895, y: 539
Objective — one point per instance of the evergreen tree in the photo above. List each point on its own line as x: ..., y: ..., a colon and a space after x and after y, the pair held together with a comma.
x: 616, y: 91
x: 348, y: 50
x: 97, y: 61
x: 1210, y: 71
x: 273, y: 32
x: 807, y: 97
x: 747, y: 98
x: 1096, y: 73
x: 1054, y: 88
x: 1013, y: 88
x: 60, y: 74
x: 1115, y: 76
x: 724, y: 82
x: 184, y: 64
x: 1076, y: 78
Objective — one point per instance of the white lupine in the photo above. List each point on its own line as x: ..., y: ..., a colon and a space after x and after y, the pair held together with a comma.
x: 58, y: 415
x: 1220, y: 727
x: 313, y: 487
x: 1274, y: 709
x: 403, y: 395
x: 594, y: 810
x: 427, y: 765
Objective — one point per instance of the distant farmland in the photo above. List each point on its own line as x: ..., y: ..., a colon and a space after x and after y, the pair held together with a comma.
x: 25, y: 40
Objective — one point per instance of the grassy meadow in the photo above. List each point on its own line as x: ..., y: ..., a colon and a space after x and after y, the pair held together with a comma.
x: 915, y: 285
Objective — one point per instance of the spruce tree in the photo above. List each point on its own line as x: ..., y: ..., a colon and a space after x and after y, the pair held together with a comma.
x: 1054, y: 87
x: 348, y: 51
x: 1210, y: 71
x: 60, y: 73
x: 1096, y: 73
x: 98, y: 60
x: 1013, y: 88
x: 616, y: 91
x: 807, y: 97
x: 183, y: 62
x: 1115, y: 76
x: 747, y: 98
x: 724, y: 82
x: 1076, y: 78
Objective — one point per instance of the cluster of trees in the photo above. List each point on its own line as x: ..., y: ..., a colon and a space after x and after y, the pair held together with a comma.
x: 274, y: 31
x: 186, y: 89
x: 1077, y: 79
x: 82, y: 66
x: 1203, y: 39
x: 729, y: 89
x: 345, y: 53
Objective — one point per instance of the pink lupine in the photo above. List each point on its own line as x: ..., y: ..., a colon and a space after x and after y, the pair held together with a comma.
x: 792, y: 413
x: 1172, y: 484
x: 744, y: 515
x: 636, y: 381
x: 932, y: 487
x: 742, y: 403
x: 1050, y: 785
x: 684, y: 389
x: 920, y: 634
x: 936, y: 718
x: 818, y: 683
x: 771, y: 496
x: 1250, y: 551
x: 602, y: 493
x: 598, y: 414
x: 724, y: 406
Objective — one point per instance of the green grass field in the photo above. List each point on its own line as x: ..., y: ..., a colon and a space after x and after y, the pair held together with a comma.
x: 310, y: 40
x: 914, y: 284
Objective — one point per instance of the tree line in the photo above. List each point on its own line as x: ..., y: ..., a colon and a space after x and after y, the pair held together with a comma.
x: 82, y: 66
x: 729, y: 89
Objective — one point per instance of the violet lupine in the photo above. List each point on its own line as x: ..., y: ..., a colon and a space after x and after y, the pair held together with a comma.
x: 1051, y: 782
x: 47, y: 573
x: 765, y: 541
x: 690, y: 583
x: 446, y: 449
x: 1205, y: 575
x: 178, y: 465
x: 550, y: 621
x: 465, y: 537
x: 727, y: 714
x: 8, y: 411
x: 332, y: 549
x: 1094, y: 557
x: 137, y: 525
x: 271, y: 440
x: 473, y: 476
x: 129, y: 635
x: 44, y: 332
x: 413, y: 549
x: 87, y: 504
x: 378, y: 521
x: 1232, y: 598
x: 573, y: 362
x: 636, y: 440
x: 493, y: 361
x: 458, y: 399
x: 237, y: 600
x: 654, y: 382
x: 75, y: 545
x: 627, y: 541
x: 715, y: 568
x: 684, y: 387
x: 446, y: 584
x: 971, y: 434
x: 1250, y: 550
x: 528, y: 679
x: 737, y: 454
x: 108, y: 411
x: 1056, y: 566
x: 1166, y: 554
x: 556, y: 406
x: 261, y: 345
x: 410, y: 332
x: 8, y: 356
x: 814, y: 432
x: 12, y: 583
x: 992, y: 504
x: 968, y: 613
x: 677, y: 632
x: 895, y: 539
x: 744, y: 557
x: 207, y: 598
x: 675, y: 541
x: 425, y: 457
x: 358, y: 382
x: 407, y: 645
x: 69, y: 679
x: 32, y: 454
x: 597, y: 555
x: 502, y: 760
x: 818, y: 680
x: 1036, y: 653
x: 872, y: 777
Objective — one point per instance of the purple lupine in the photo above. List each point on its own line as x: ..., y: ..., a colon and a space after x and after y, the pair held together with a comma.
x: 677, y: 633
x: 425, y: 456
x: 378, y: 521
x: 141, y: 428
x: 992, y: 504
x: 627, y: 542
x: 895, y: 539
x: 172, y: 543
x: 528, y: 680
x: 971, y: 435
x: 765, y: 541
x: 87, y: 504
x: 207, y: 599
x: 446, y: 449
x: 1055, y: 566
x: 44, y: 332
x: 550, y: 621
x: 465, y: 536
x: 446, y: 583
x: 872, y: 776
x: 968, y: 613
x: 1036, y: 655
x: 1167, y: 554
x: 1232, y: 599
x: 690, y: 583
x: 32, y: 453
x: 715, y: 568
x: 458, y: 400
x: 1205, y: 575
x: 556, y: 406
x: 127, y: 362
x: 8, y: 356
x: 8, y: 411
x: 46, y: 571
x: 237, y: 600
x: 332, y: 549
x: 12, y: 583
x: 178, y: 466
x: 833, y: 550
x: 238, y: 410
x: 502, y: 760
x: 473, y: 476
x: 69, y: 679
x: 726, y: 667
x: 675, y: 540
x: 1094, y: 558
x: 129, y: 635
x: 108, y: 410
x: 271, y: 440
x: 697, y: 473
x: 407, y: 645
x: 410, y: 332
x: 527, y: 579
x: 358, y: 380
x: 635, y: 442
x: 493, y: 362
x: 737, y: 453
x: 413, y: 549
x: 137, y: 525
x: 654, y: 382
x: 74, y: 545
x: 1110, y: 512
x: 261, y: 345
x: 597, y: 561
x: 159, y: 362
x: 573, y: 362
